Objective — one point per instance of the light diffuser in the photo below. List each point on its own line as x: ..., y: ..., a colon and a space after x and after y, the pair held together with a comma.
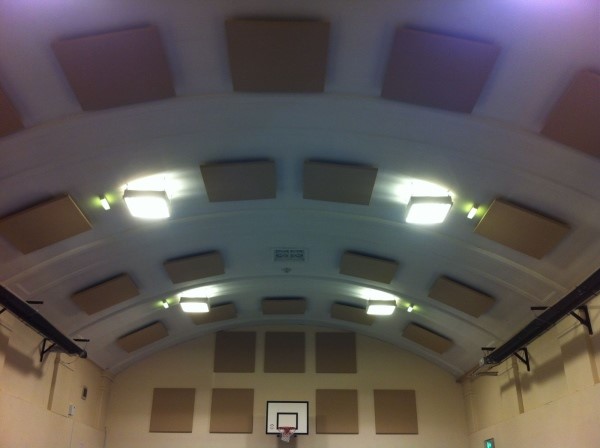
x: 194, y: 304
x: 147, y: 204
x: 381, y: 307
x: 428, y: 209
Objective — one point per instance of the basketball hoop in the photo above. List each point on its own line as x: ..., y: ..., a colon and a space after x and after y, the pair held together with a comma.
x: 286, y: 433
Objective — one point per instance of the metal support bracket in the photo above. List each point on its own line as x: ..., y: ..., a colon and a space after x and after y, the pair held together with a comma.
x: 524, y: 358
x: 44, y: 349
x: 583, y: 320
x: 2, y: 310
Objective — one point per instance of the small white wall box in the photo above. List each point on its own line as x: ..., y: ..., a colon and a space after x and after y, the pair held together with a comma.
x: 71, y: 410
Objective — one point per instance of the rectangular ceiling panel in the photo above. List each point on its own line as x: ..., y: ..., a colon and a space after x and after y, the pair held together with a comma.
x: 521, y: 229
x: 339, y: 182
x: 44, y: 224
x: 116, y: 69
x: 461, y: 297
x: 216, y: 314
x: 187, y: 269
x: 10, y: 120
x: 284, y: 305
x: 575, y: 119
x: 427, y: 338
x: 106, y: 294
x: 436, y: 70
x: 277, y: 55
x: 368, y: 267
x: 351, y: 314
x: 142, y: 337
x: 240, y: 181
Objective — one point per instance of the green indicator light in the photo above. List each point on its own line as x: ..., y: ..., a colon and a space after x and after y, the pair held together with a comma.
x: 489, y: 443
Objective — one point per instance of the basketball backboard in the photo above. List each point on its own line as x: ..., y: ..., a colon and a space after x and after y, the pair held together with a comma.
x: 292, y: 414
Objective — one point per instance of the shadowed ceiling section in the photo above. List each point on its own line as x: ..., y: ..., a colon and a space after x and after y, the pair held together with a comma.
x: 116, y: 69
x: 10, y: 120
x: 349, y: 313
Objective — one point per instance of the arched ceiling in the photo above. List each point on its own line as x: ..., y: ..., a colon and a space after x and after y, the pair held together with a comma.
x: 495, y: 151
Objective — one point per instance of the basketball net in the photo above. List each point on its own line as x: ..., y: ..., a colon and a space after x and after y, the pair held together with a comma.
x: 286, y: 433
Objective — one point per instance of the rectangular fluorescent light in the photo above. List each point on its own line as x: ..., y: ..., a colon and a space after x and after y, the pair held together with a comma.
x: 381, y: 307
x: 147, y: 204
x: 104, y: 203
x: 472, y: 212
x: 428, y: 209
x: 194, y: 304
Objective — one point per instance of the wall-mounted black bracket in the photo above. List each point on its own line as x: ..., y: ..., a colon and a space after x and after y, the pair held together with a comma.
x: 45, y: 349
x: 524, y: 358
x: 2, y: 310
x: 583, y: 316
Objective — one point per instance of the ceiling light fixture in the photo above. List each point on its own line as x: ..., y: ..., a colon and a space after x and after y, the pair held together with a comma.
x: 381, y: 307
x: 194, y: 304
x: 473, y: 211
x: 104, y: 203
x: 410, y: 308
x: 428, y: 209
x: 147, y: 204
x: 165, y: 304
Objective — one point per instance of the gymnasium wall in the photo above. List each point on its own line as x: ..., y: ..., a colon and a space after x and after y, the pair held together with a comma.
x: 35, y: 396
x: 439, y: 400
x: 555, y: 405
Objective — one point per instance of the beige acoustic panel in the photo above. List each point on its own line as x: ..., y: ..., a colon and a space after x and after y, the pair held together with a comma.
x: 116, y: 69
x: 351, y: 313
x: 216, y: 314
x: 142, y: 337
x: 195, y: 267
x: 368, y: 267
x: 235, y: 351
x: 436, y: 70
x: 284, y: 352
x: 10, y: 120
x: 44, y: 224
x: 521, y: 229
x: 172, y: 410
x: 339, y: 182
x: 106, y: 294
x: 574, y: 120
x: 232, y: 411
x: 335, y: 352
x: 277, y: 55
x: 284, y: 305
x: 427, y: 338
x: 460, y: 296
x: 240, y: 181
x: 395, y: 412
x: 337, y: 411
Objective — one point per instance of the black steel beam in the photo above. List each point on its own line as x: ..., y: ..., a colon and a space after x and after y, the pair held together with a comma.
x: 36, y: 321
x: 580, y: 295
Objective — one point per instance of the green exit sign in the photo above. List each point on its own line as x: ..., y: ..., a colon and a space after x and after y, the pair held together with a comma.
x: 489, y: 443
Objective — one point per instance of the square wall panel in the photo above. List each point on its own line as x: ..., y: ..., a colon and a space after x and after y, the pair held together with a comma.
x: 335, y: 352
x: 427, y: 338
x: 521, y: 229
x: 235, y: 351
x: 337, y: 411
x: 575, y: 119
x: 395, y: 412
x: 172, y: 410
x: 284, y: 305
x: 240, y: 181
x: 285, y: 352
x: 277, y: 55
x: 142, y: 337
x: 460, y: 296
x: 195, y: 267
x: 436, y: 70
x: 116, y: 69
x: 368, y: 267
x: 10, y: 120
x: 44, y: 224
x: 339, y: 182
x: 232, y: 411
x: 216, y: 314
x: 106, y: 294
x: 351, y: 313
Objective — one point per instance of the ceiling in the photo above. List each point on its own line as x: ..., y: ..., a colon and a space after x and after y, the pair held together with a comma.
x: 504, y: 146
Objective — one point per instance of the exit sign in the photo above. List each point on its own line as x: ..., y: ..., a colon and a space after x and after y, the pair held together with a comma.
x: 489, y: 443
